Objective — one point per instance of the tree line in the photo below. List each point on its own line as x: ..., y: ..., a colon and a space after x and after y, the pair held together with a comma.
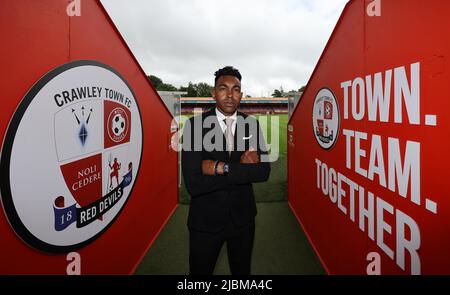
x: 193, y: 90
x: 203, y: 89
x: 281, y: 93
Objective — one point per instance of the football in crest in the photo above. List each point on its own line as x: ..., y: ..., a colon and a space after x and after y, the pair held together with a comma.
x: 327, y: 110
x: 118, y: 124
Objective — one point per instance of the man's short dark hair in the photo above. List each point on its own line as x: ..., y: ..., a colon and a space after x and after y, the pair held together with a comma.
x: 227, y: 71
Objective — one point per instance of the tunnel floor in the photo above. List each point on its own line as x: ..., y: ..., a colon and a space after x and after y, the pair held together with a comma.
x: 281, y: 247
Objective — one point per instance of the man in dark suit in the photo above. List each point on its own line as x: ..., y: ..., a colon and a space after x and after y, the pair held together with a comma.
x: 224, y: 152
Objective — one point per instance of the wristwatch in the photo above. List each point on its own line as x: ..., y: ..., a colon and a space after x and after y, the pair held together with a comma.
x: 226, y: 168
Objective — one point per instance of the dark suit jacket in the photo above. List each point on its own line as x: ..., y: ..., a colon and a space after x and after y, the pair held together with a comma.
x: 215, y: 200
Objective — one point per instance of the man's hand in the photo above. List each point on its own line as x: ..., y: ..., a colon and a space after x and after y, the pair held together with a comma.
x: 250, y: 157
x: 208, y: 167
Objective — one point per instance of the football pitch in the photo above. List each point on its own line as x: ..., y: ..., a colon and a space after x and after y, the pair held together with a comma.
x: 275, y: 189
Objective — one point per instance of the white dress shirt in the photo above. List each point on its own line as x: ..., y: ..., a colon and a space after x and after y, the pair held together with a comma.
x: 221, y: 117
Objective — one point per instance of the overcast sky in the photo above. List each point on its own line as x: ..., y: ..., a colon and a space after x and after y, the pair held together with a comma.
x: 272, y: 42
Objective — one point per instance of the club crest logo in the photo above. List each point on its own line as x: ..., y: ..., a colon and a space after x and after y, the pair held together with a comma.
x: 117, y: 126
x: 325, y: 118
x: 71, y: 156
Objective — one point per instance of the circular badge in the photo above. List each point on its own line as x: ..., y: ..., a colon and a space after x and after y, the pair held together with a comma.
x: 325, y: 118
x: 71, y: 156
x: 117, y: 125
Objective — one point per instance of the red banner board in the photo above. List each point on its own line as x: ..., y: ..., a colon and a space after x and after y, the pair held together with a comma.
x: 88, y: 178
x: 371, y: 192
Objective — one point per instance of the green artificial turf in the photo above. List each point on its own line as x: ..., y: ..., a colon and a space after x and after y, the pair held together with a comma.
x: 280, y: 247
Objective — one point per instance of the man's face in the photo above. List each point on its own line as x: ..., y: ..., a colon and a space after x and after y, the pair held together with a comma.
x: 227, y: 94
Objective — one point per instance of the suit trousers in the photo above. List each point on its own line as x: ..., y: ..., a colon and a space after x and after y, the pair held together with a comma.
x: 204, y: 248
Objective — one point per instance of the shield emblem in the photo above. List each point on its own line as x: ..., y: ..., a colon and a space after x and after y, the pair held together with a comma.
x: 83, y: 177
x: 92, y: 140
